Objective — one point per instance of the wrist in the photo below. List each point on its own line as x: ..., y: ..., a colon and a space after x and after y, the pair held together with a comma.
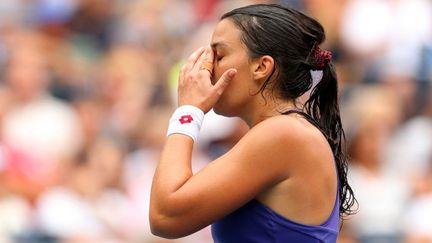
x: 187, y: 120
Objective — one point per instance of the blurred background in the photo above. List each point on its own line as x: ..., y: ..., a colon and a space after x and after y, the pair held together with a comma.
x: 87, y: 88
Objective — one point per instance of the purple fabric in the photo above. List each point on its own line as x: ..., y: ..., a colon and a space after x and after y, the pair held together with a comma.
x: 254, y: 222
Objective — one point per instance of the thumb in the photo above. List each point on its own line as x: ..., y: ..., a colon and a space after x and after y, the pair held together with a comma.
x: 224, y: 80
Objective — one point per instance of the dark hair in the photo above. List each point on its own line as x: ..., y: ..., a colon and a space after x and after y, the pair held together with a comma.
x: 292, y: 39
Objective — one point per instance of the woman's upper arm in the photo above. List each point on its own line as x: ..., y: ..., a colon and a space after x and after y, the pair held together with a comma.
x: 254, y: 164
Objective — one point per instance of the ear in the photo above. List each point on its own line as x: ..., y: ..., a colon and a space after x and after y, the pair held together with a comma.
x: 262, y: 68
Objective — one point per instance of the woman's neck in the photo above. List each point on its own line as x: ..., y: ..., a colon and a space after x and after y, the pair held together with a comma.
x: 266, y: 108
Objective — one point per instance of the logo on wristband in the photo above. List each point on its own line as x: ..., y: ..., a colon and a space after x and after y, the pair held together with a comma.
x: 185, y: 119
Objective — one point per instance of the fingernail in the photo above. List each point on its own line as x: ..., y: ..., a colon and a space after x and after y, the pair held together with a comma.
x: 232, y: 72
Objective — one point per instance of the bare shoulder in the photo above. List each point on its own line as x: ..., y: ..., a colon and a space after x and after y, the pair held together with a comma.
x: 285, y: 130
x: 283, y: 141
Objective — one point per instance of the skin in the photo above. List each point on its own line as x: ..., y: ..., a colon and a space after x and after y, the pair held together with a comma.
x: 283, y: 161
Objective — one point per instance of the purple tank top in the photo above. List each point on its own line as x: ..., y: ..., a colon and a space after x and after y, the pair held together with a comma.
x: 255, y: 222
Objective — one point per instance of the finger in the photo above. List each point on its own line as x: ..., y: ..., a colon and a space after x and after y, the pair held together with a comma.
x: 224, y: 80
x: 210, y: 54
x: 182, y: 74
x: 193, y: 58
x: 205, y: 62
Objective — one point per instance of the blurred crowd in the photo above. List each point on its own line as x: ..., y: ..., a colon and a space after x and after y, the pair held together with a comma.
x: 87, y: 88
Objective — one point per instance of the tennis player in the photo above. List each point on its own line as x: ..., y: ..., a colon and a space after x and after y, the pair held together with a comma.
x: 286, y: 179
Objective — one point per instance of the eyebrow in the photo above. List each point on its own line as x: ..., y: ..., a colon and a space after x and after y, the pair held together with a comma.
x: 218, y: 44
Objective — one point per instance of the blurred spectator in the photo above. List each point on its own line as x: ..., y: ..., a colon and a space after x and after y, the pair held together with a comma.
x: 417, y: 155
x: 96, y: 12
x: 15, y: 210
x: 417, y: 221
x: 370, y: 28
x: 410, y: 150
x: 42, y: 129
x: 90, y: 199
x: 373, y: 114
x: 127, y: 84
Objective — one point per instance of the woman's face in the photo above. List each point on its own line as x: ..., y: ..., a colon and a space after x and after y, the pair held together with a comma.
x: 230, y: 52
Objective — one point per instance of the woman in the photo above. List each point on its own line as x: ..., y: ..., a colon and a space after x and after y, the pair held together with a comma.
x: 285, y: 180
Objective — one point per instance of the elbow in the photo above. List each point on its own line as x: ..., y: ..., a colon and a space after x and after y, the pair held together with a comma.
x: 159, y: 227
x: 165, y: 227
x: 170, y: 219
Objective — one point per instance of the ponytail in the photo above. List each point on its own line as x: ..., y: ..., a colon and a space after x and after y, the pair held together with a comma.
x: 323, y: 106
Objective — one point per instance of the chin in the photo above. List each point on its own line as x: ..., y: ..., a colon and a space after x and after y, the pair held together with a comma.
x: 224, y: 110
x: 219, y: 111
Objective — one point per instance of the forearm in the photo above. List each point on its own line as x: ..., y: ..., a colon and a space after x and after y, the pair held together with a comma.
x: 173, y: 170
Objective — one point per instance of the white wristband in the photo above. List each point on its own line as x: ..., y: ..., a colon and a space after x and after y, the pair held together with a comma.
x: 187, y: 120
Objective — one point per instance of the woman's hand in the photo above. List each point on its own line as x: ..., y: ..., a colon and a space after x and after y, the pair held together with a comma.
x: 195, y: 86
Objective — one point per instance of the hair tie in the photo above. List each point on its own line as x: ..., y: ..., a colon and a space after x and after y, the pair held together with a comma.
x: 318, y: 57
